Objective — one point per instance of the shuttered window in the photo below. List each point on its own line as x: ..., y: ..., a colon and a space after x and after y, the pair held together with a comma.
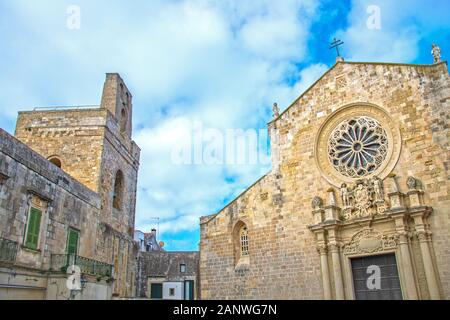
x: 34, y: 225
x: 72, y: 242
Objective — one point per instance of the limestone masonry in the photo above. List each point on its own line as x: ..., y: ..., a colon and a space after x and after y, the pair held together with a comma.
x: 68, y: 191
x: 360, y: 177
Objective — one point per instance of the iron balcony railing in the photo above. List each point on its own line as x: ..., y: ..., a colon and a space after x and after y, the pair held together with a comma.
x: 60, y: 262
x: 8, y: 250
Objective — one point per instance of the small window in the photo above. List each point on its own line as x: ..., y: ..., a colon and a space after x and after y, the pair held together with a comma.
x: 118, y: 191
x: 244, y: 241
x: 123, y: 120
x: 183, y: 268
x: 56, y: 161
x: 33, y: 228
x: 172, y: 292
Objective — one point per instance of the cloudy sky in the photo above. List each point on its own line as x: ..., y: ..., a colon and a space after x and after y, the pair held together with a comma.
x: 215, y: 65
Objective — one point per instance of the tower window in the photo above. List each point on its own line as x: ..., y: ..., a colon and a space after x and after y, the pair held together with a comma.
x: 123, y: 120
x: 56, y: 161
x: 118, y: 191
x: 183, y: 268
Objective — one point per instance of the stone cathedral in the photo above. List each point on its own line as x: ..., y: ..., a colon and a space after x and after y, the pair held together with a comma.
x: 357, y: 204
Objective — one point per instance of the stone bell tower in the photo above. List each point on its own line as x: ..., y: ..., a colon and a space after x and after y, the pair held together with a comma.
x: 94, y: 145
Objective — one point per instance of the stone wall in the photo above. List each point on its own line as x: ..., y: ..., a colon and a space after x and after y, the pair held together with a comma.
x: 29, y: 179
x: 284, y: 262
x: 74, y: 136
x: 93, y: 144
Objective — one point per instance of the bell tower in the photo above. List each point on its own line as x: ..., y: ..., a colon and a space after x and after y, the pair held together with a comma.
x: 118, y: 100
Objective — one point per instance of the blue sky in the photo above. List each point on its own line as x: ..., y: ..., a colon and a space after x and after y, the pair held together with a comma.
x: 221, y: 63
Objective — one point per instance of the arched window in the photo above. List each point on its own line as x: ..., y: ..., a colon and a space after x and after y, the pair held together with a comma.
x: 123, y: 120
x: 243, y: 237
x: 118, y: 191
x: 241, y: 243
x: 56, y: 161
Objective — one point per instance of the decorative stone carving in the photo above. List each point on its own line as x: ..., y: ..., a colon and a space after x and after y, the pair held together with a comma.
x: 423, y: 235
x: 317, y: 203
x: 322, y: 249
x: 362, y: 199
x: 331, y: 197
x: 357, y: 141
x: 358, y: 147
x: 415, y: 194
x: 345, y: 193
x: 436, y: 52
x: 366, y: 199
x: 411, y: 182
x: 378, y: 189
x: 368, y: 241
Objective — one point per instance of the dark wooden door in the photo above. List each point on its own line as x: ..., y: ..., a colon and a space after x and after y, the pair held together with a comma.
x: 156, y: 291
x: 376, y: 278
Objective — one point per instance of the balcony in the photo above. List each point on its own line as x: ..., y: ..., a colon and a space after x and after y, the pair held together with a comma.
x: 8, y: 250
x: 60, y: 262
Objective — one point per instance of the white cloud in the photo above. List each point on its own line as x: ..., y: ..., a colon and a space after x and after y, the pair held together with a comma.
x: 219, y: 62
x: 404, y: 23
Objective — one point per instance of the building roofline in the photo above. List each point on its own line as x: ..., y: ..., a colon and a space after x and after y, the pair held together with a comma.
x: 355, y: 63
x: 212, y: 216
x: 62, y: 109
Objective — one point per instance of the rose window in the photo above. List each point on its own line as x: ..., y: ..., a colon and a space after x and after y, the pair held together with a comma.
x: 358, y: 147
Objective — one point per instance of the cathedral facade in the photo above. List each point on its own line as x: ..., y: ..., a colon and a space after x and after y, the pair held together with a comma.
x: 68, y: 184
x: 357, y: 204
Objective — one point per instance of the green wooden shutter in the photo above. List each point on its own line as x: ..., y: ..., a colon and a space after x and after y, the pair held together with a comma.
x: 34, y: 225
x: 156, y: 291
x: 72, y: 242
x: 191, y: 290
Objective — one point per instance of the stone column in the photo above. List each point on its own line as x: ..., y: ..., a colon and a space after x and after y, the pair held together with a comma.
x: 336, y: 258
x: 325, y: 272
x: 337, y: 271
x: 424, y: 237
x: 408, y: 272
x: 323, y: 252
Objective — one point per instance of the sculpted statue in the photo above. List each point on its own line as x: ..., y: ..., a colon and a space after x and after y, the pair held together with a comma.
x: 276, y: 111
x: 345, y: 195
x: 362, y: 199
x: 378, y: 189
x: 436, y: 52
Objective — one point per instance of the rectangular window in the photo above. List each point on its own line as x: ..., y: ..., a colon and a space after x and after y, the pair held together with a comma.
x: 182, y: 268
x: 72, y: 241
x: 172, y: 292
x: 33, y: 228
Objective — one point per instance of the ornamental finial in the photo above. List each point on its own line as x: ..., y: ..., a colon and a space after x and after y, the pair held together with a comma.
x: 436, y: 52
x: 276, y: 111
